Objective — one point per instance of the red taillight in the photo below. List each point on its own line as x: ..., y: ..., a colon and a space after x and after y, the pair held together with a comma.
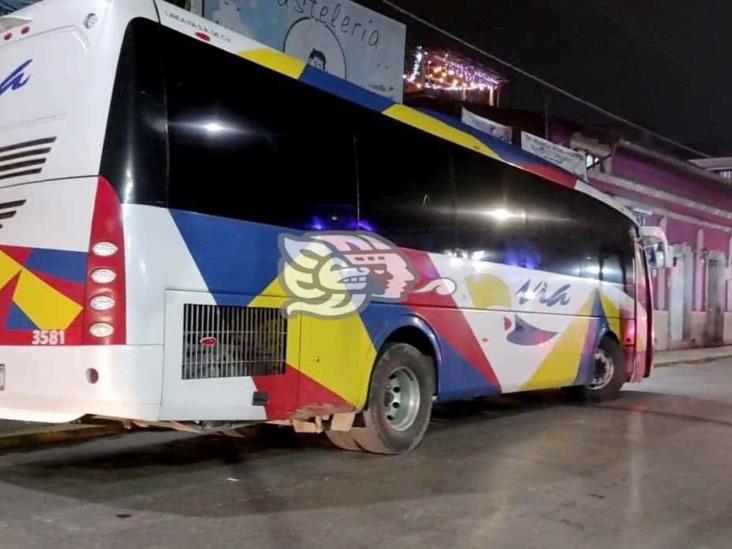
x: 104, y: 307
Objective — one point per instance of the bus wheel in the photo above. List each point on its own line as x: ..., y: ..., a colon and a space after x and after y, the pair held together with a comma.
x: 399, y: 403
x: 608, y: 375
x: 342, y: 440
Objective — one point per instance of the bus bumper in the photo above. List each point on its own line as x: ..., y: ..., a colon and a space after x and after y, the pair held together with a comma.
x: 60, y: 384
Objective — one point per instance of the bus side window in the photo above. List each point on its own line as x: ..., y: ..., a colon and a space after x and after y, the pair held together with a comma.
x: 405, y: 185
x: 606, y: 233
x: 258, y: 147
x: 555, y: 235
x: 491, y: 225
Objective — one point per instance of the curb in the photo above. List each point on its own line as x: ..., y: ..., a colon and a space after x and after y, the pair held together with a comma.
x: 695, y: 360
x: 66, y: 433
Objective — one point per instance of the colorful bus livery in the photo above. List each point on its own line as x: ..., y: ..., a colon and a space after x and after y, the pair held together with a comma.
x: 282, y: 246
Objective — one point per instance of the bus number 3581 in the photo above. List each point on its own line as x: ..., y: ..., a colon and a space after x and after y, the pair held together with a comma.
x: 48, y: 337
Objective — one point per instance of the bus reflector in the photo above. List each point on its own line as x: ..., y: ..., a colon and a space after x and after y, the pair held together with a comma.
x: 101, y: 329
x: 103, y: 276
x: 104, y: 249
x: 101, y: 303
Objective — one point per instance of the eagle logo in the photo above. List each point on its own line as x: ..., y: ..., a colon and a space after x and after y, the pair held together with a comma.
x: 331, y: 275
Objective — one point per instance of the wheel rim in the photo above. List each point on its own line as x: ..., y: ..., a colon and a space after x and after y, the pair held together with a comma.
x: 401, y: 399
x: 603, y: 372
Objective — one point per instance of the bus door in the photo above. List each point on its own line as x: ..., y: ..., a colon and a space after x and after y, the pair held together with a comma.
x: 643, y: 318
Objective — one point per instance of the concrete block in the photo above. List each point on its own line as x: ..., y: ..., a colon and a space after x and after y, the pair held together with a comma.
x: 698, y: 325
x: 660, y: 328
x: 727, y: 334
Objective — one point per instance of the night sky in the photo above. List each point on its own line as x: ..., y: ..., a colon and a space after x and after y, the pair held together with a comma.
x: 664, y: 64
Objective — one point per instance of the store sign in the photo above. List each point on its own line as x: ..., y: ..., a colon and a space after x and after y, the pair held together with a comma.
x: 568, y: 159
x: 338, y: 36
x: 494, y: 129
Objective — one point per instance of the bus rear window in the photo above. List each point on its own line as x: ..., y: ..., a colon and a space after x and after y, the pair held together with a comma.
x: 135, y: 154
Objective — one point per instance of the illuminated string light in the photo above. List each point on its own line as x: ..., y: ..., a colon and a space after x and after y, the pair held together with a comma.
x: 439, y: 71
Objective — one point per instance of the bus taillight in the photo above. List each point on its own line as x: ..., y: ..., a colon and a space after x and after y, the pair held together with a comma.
x: 104, y: 320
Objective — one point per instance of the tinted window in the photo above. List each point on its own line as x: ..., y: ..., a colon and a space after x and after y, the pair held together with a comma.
x: 569, y: 232
x: 510, y: 216
x: 134, y: 158
x: 556, y: 236
x: 406, y: 191
x: 491, y: 222
x: 248, y: 143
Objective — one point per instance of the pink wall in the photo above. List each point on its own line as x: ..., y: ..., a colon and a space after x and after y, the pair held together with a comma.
x: 684, y: 185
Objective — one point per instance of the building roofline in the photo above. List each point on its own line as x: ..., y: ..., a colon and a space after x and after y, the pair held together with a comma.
x: 720, y: 163
x: 685, y: 167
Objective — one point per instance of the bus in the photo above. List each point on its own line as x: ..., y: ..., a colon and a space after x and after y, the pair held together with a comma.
x: 200, y: 232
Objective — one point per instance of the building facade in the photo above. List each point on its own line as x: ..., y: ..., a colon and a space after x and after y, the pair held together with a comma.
x: 693, y: 299
x: 692, y: 201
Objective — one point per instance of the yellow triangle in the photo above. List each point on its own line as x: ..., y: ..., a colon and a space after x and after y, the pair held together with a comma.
x: 336, y: 353
x: 560, y: 366
x: 45, y: 306
x: 8, y: 269
x: 612, y: 313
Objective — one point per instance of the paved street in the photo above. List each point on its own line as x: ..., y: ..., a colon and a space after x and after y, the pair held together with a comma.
x: 652, y: 469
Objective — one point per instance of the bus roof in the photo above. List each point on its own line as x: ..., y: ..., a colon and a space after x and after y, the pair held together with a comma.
x: 437, y: 124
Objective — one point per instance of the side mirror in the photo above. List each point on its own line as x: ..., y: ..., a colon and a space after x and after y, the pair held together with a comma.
x: 655, y: 245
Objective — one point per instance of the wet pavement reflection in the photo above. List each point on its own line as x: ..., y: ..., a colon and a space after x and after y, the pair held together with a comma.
x: 536, y: 470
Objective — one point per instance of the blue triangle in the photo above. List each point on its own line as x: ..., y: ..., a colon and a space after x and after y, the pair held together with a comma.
x: 17, y: 320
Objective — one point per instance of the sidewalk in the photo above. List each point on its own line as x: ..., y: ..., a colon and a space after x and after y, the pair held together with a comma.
x: 16, y: 434
x: 687, y: 356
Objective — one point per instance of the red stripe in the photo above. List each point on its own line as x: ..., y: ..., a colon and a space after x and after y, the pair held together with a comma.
x: 18, y: 254
x: 296, y: 393
x: 446, y: 318
x: 107, y: 227
x: 553, y: 174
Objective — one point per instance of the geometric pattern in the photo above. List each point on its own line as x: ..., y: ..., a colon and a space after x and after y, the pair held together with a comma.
x: 40, y: 289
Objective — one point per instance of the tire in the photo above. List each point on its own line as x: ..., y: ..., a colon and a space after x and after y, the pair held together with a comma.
x: 343, y: 440
x: 605, y: 385
x: 399, y: 401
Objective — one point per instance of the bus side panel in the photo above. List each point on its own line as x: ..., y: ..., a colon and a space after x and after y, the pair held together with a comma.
x: 520, y: 329
x: 503, y: 329
x: 219, y: 262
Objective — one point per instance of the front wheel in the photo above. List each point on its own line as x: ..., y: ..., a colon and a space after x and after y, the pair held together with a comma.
x: 608, y: 374
x: 399, y: 403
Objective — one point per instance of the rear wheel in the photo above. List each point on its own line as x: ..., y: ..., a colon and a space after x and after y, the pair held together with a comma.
x: 608, y: 374
x: 399, y: 402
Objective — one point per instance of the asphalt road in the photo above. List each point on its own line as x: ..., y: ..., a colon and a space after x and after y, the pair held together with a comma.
x: 653, y: 469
